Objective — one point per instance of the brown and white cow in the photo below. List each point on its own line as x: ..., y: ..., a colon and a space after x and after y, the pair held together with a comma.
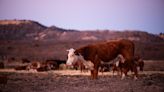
x: 78, y: 61
x: 106, y: 51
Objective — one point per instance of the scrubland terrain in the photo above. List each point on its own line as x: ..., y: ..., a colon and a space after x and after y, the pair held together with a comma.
x: 151, y: 80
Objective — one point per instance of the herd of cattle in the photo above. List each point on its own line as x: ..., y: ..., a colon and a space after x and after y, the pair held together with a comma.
x: 107, y: 56
x: 41, y: 66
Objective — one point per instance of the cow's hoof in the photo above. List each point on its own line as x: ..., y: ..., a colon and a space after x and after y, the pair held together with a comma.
x: 135, y: 78
x: 123, y: 76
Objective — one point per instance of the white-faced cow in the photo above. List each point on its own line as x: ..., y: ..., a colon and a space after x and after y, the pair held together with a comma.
x: 106, y: 51
x: 78, y: 60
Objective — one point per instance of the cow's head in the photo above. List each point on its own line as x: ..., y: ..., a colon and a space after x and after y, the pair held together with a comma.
x: 72, y: 58
x: 77, y: 58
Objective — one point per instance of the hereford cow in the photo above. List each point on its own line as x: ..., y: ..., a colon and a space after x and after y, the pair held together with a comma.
x: 78, y: 61
x: 106, y: 51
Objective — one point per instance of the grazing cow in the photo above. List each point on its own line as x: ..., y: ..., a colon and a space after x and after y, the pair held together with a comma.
x: 107, y: 51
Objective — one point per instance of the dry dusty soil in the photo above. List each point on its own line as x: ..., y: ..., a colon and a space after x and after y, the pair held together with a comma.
x: 74, y: 81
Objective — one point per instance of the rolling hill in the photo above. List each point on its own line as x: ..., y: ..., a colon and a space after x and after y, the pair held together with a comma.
x: 27, y: 38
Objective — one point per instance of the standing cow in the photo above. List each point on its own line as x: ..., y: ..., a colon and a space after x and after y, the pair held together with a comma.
x: 106, y: 52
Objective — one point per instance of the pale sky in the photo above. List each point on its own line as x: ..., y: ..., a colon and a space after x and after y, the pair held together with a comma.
x: 144, y: 15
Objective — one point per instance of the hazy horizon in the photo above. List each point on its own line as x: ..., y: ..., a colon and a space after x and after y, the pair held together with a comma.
x: 144, y: 15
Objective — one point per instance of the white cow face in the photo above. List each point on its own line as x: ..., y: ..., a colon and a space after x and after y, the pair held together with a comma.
x: 72, y: 58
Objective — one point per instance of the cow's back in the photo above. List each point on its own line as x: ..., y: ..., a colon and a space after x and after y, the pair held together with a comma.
x: 108, y: 50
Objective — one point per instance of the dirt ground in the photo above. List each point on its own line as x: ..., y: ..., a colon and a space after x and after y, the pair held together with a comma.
x: 75, y: 81
x: 151, y: 80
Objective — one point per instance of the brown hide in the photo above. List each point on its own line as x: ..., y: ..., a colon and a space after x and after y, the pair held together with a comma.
x: 106, y: 52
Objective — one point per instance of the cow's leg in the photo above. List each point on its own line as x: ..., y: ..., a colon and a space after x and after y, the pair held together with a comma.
x: 114, y: 69
x: 95, y: 73
x: 124, y: 73
x: 81, y: 68
x: 92, y: 77
x: 135, y: 72
x: 118, y: 71
x: 113, y: 72
x: 101, y: 70
x: 96, y: 67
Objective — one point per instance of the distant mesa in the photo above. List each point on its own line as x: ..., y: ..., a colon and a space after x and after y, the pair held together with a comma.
x: 32, y: 30
x: 14, y: 22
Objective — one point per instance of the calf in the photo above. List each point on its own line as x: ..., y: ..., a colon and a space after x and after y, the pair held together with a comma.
x: 114, y: 65
x: 105, y: 67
